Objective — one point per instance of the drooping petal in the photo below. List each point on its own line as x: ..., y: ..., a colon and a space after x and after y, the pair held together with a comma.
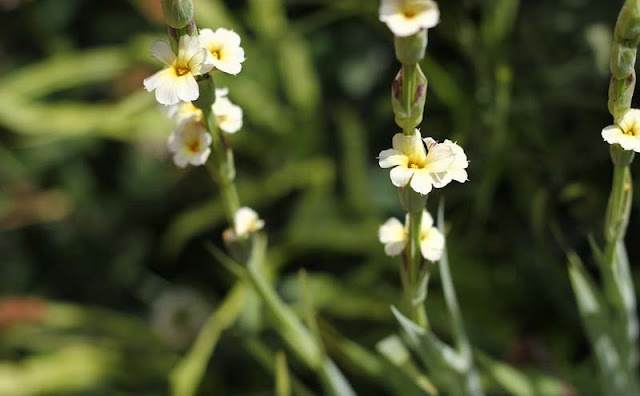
x: 421, y: 182
x: 432, y: 244
x: 164, y: 83
x: 427, y: 221
x: 611, y: 134
x: 180, y: 159
x: 187, y: 88
x: 392, y: 231
x: 161, y: 50
x: 440, y: 158
x: 392, y: 157
x: 400, y: 176
x: 394, y: 248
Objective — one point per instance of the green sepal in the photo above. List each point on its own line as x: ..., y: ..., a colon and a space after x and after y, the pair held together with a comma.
x: 410, y: 50
x: 177, y: 13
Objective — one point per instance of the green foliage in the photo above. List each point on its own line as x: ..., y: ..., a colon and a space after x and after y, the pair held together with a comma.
x: 92, y: 210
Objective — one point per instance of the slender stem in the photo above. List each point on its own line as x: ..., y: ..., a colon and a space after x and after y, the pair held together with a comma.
x: 222, y: 167
x: 417, y: 287
x: 408, y: 91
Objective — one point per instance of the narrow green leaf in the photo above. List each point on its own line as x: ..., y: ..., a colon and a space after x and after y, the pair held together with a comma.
x: 187, y: 374
x: 283, y: 386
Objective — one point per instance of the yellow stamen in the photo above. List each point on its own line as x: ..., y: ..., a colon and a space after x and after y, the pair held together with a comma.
x: 181, y: 71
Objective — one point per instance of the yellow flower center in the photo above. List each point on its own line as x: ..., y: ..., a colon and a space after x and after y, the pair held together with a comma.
x: 182, y: 70
x: 633, y: 131
x: 415, y: 163
x: 215, y: 52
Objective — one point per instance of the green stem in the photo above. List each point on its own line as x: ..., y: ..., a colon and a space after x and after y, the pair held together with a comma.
x: 408, y: 91
x: 416, y: 277
x: 222, y: 167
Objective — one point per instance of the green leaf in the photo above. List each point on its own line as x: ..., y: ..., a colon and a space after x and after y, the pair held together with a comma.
x: 283, y: 386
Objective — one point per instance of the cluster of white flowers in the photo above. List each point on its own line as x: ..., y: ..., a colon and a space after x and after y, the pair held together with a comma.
x: 176, y: 86
x: 407, y: 17
x: 626, y: 133
x: 412, y: 164
x: 395, y: 236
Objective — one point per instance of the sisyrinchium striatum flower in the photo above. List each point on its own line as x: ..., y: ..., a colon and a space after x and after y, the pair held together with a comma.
x: 408, y: 17
x: 224, y: 50
x: 228, y: 115
x: 177, y: 81
x: 412, y: 165
x: 246, y: 221
x: 189, y: 144
x: 394, y: 235
x: 626, y: 133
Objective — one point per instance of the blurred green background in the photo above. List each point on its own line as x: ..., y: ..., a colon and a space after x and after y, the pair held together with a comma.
x: 102, y: 259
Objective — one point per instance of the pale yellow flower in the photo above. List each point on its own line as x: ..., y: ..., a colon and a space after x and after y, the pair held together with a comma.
x: 224, y: 50
x: 412, y: 165
x: 189, y: 144
x: 246, y: 221
x: 395, y: 237
x: 177, y: 81
x: 228, y: 115
x: 626, y: 133
x: 407, y: 17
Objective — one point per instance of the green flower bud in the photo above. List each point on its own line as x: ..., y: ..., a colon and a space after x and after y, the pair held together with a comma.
x: 177, y: 13
x: 620, y: 95
x: 623, y: 60
x: 409, y: 117
x: 410, y: 50
x: 627, y: 29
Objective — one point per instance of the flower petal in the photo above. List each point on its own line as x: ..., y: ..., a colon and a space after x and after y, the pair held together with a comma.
x: 392, y: 231
x: 161, y: 50
x: 421, y: 182
x: 432, y: 244
x: 400, y: 176
x: 187, y: 88
x: 392, y: 157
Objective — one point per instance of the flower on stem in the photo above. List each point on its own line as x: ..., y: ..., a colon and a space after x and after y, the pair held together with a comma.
x: 177, y: 81
x: 228, y: 116
x: 224, y: 50
x: 412, y: 165
x: 626, y: 133
x: 407, y: 17
x: 189, y: 144
x: 395, y: 237
x: 187, y: 111
x: 246, y: 221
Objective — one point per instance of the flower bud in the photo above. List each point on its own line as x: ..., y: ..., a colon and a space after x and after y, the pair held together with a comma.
x: 623, y: 60
x: 410, y: 50
x: 409, y: 118
x: 177, y: 13
x: 628, y: 25
x: 620, y: 95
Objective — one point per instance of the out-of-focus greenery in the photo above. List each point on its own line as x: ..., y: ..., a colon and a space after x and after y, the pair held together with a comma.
x: 94, y: 213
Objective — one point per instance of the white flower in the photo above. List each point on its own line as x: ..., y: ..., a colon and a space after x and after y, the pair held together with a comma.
x: 177, y: 82
x: 228, y: 116
x: 412, y: 165
x: 395, y: 237
x: 246, y: 221
x: 189, y: 144
x: 187, y: 111
x: 407, y: 17
x: 457, y: 169
x: 626, y: 133
x: 224, y: 50
x: 184, y: 112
